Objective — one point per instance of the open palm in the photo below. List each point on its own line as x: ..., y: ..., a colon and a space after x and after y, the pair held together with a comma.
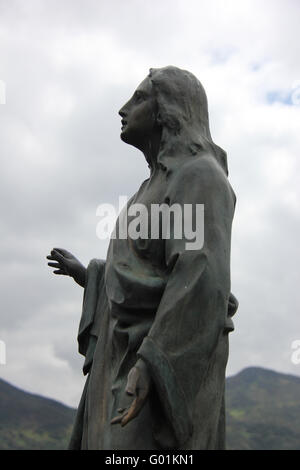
x: 67, y: 264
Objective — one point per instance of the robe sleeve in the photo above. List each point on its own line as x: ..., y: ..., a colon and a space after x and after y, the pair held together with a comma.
x: 181, y: 344
x: 87, y: 333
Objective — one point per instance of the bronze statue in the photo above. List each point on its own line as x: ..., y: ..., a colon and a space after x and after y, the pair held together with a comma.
x: 156, y: 315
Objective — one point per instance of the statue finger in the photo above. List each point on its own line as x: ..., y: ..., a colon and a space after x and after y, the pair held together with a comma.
x: 118, y: 419
x: 57, y: 256
x: 63, y: 252
x: 133, y: 411
x: 60, y: 271
x: 54, y: 265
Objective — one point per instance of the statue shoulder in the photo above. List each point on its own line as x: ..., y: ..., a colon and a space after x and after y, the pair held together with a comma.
x: 200, y: 171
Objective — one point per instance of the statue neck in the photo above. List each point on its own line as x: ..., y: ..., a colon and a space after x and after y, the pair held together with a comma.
x: 151, y: 149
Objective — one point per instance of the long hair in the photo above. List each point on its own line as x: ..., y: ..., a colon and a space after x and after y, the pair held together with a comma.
x: 183, y: 115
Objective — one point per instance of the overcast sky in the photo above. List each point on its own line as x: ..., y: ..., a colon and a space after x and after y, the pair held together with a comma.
x: 68, y: 66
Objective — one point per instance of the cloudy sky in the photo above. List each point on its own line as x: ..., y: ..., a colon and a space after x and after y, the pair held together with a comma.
x: 66, y: 68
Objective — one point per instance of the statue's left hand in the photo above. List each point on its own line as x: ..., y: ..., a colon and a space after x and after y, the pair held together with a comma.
x: 138, y: 385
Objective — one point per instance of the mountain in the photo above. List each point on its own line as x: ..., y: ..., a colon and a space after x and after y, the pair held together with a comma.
x: 30, y: 421
x: 263, y: 412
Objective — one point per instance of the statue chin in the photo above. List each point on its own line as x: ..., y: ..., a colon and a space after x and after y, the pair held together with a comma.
x: 124, y: 136
x: 129, y: 139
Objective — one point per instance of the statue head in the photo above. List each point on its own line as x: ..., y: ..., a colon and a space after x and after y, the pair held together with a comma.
x: 172, y: 103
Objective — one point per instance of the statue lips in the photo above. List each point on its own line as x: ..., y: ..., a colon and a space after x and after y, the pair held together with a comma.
x: 124, y: 123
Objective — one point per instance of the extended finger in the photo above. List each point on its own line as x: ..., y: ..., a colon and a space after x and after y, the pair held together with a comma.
x: 53, y: 256
x: 118, y: 419
x: 62, y: 252
x: 129, y: 414
x: 60, y: 271
x: 58, y: 256
x: 133, y: 411
x: 54, y: 265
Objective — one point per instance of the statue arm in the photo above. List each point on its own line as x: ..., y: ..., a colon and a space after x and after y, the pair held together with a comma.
x: 93, y: 290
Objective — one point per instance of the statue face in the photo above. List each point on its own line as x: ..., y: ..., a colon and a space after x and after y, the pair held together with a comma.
x: 139, y: 116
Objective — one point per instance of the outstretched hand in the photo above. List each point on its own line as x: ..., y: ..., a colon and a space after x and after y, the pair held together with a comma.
x: 67, y: 265
x: 138, y: 385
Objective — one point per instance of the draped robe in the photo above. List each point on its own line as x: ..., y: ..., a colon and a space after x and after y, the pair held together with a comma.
x: 153, y: 299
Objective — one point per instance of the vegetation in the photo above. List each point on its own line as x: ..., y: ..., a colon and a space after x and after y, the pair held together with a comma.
x: 263, y: 412
x: 32, y: 422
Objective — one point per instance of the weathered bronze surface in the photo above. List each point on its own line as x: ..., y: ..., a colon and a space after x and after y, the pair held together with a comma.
x: 156, y: 315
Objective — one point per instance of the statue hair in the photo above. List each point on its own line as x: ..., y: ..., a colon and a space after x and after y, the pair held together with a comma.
x: 183, y: 114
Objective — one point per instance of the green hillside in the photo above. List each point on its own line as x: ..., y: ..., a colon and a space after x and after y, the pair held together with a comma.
x: 263, y: 412
x: 32, y: 422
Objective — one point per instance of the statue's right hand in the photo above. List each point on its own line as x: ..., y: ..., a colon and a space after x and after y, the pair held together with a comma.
x: 66, y: 264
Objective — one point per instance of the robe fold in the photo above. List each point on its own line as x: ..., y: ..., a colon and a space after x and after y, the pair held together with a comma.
x: 154, y: 299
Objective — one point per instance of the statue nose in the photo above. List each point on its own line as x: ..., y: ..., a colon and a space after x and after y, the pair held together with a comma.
x: 122, y: 112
